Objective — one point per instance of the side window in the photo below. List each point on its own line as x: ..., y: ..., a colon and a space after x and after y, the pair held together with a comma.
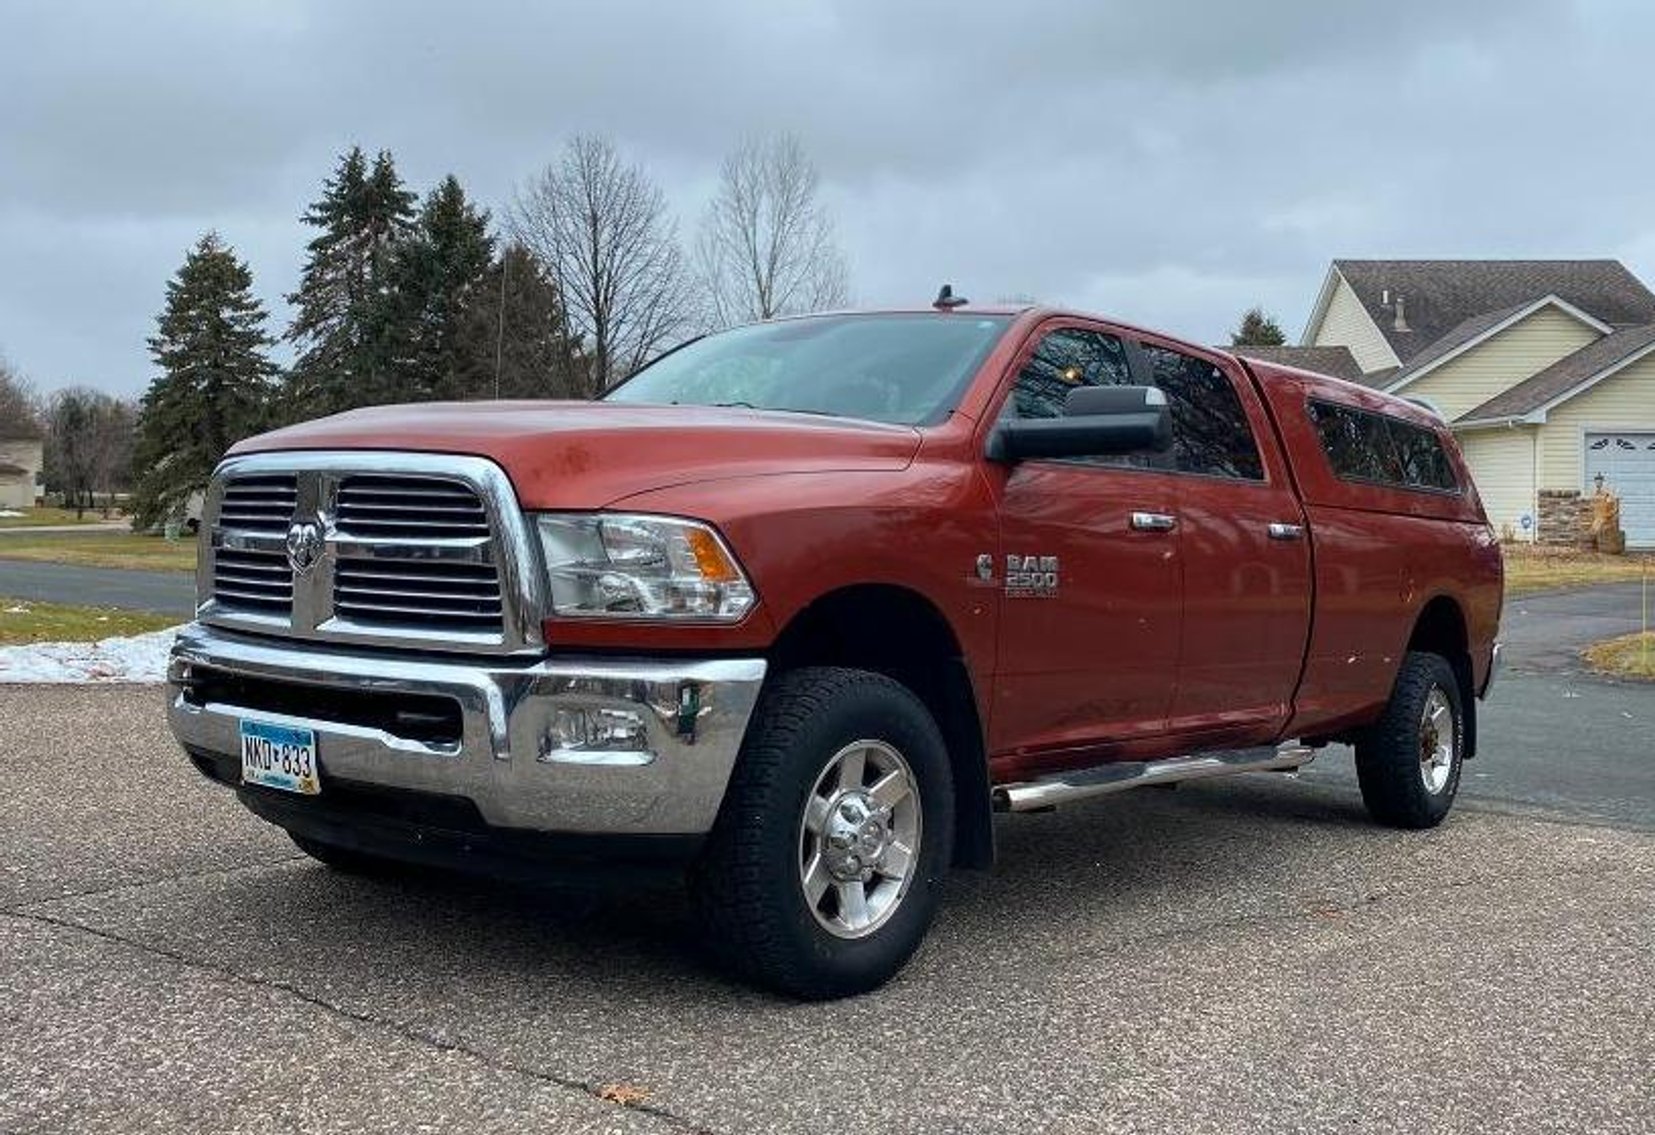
x: 1062, y: 361
x: 1378, y: 449
x: 1210, y: 434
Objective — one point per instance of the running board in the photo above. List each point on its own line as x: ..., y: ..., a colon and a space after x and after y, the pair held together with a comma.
x: 1083, y: 784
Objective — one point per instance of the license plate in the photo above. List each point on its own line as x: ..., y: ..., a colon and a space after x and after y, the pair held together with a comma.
x: 279, y: 756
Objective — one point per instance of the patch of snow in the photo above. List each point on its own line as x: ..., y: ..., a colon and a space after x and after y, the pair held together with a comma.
x: 134, y: 658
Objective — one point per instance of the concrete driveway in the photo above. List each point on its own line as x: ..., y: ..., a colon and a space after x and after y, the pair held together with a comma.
x: 1250, y: 956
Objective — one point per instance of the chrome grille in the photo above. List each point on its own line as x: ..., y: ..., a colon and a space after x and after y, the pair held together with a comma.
x: 253, y: 580
x: 260, y: 504
x: 395, y: 549
x: 432, y: 593
x: 422, y: 507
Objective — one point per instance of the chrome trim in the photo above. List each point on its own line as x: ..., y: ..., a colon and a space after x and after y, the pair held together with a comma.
x: 1280, y: 531
x: 1153, y: 522
x: 513, y: 551
x: 695, y: 713
x: 1494, y: 665
x: 1067, y: 787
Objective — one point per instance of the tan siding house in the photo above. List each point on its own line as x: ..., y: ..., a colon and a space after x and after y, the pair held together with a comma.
x: 20, y: 460
x: 1525, y: 348
x: 1545, y: 369
x: 1348, y: 325
x: 1504, y: 462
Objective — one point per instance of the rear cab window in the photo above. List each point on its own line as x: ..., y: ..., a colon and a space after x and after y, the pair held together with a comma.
x: 1370, y: 448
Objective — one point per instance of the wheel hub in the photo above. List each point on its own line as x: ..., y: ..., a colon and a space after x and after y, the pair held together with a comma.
x: 857, y: 836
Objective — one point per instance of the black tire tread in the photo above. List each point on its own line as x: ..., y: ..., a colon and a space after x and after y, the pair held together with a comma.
x: 1387, y: 755
x: 738, y: 891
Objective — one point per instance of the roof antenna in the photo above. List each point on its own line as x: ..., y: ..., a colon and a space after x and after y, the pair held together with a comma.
x: 946, y: 299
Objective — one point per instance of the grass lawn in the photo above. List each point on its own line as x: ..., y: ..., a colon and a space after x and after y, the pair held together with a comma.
x: 1630, y: 656
x: 23, y: 621
x: 38, y: 517
x: 102, y: 549
x: 1542, y: 569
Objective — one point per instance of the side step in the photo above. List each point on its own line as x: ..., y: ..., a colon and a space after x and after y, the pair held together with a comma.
x: 1083, y: 784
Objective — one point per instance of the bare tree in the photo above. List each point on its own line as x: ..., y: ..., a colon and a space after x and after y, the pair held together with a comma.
x: 601, y: 227
x: 767, y: 246
x: 19, y: 408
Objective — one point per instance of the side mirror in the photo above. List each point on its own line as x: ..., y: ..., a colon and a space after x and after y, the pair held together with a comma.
x: 1097, y: 421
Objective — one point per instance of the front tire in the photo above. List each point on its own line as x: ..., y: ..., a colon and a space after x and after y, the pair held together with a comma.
x: 1408, y: 764
x: 824, y: 869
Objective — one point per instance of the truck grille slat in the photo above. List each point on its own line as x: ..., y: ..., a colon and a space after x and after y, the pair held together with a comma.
x: 385, y: 505
x: 367, y: 594
x: 260, y: 504
x: 254, y: 581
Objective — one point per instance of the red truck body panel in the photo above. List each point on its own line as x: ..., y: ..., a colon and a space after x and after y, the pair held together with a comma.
x: 1213, y: 634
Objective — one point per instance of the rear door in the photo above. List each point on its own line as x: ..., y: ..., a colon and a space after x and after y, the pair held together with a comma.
x: 1245, y: 550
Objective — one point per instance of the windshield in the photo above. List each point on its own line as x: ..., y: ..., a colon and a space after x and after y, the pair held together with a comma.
x: 903, y: 369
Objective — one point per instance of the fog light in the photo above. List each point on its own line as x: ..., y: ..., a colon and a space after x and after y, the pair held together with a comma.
x: 590, y: 735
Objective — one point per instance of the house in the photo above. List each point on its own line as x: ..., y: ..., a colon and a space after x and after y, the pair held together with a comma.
x: 20, y: 460
x: 1545, y: 369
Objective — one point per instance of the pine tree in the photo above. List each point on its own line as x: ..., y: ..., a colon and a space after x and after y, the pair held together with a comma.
x: 351, y: 323
x: 441, y: 271
x: 216, y: 380
x: 515, y: 339
x: 1257, y: 330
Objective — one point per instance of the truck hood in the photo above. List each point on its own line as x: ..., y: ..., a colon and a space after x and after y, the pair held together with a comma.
x: 591, y: 454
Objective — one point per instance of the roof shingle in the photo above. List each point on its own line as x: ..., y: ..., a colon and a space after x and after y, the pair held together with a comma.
x: 1439, y: 296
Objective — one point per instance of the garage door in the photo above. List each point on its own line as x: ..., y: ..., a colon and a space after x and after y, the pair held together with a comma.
x: 1627, y: 462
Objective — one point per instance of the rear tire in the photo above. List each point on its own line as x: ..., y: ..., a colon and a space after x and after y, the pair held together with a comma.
x: 1408, y: 764
x: 825, y: 866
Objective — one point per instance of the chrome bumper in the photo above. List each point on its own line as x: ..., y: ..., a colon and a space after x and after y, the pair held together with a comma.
x: 673, y: 729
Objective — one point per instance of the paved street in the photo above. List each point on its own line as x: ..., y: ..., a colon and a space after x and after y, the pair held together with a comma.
x: 166, y: 592
x: 1228, y: 957
x: 1557, y: 741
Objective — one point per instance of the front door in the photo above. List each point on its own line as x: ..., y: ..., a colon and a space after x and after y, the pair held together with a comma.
x: 1091, y: 580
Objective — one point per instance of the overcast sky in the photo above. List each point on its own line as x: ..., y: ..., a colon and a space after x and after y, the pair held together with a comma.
x: 1169, y: 163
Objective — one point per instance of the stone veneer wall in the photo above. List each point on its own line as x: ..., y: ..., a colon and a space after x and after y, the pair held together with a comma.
x: 1565, y: 516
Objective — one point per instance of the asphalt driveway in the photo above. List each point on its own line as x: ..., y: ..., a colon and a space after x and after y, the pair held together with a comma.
x: 1229, y: 957
x: 164, y: 592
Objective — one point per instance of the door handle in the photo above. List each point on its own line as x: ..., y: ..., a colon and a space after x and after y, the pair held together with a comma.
x: 1280, y: 531
x: 1153, y: 522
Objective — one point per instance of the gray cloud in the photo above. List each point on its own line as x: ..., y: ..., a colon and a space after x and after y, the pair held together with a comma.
x: 1169, y: 163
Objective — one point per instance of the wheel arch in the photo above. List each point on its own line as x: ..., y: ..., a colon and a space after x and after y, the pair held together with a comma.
x: 896, y: 631
x: 1441, y: 629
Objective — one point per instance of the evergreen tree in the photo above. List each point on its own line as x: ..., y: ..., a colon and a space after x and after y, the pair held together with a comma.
x: 440, y: 272
x: 515, y: 339
x: 216, y: 380
x: 1257, y: 330
x: 351, y: 324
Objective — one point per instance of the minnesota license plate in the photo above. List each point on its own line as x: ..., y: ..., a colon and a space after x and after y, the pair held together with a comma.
x: 279, y: 756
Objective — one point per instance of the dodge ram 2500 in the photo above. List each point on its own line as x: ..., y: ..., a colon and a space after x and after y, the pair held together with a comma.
x: 800, y: 605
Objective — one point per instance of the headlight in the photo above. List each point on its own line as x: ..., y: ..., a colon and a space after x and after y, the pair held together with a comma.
x: 652, y: 567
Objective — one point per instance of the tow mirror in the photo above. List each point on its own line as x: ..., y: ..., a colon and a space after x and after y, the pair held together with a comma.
x: 1097, y: 421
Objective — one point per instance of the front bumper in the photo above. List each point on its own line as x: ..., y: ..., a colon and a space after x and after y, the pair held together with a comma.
x: 662, y: 772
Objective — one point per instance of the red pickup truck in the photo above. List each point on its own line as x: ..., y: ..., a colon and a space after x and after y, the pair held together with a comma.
x: 801, y: 604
